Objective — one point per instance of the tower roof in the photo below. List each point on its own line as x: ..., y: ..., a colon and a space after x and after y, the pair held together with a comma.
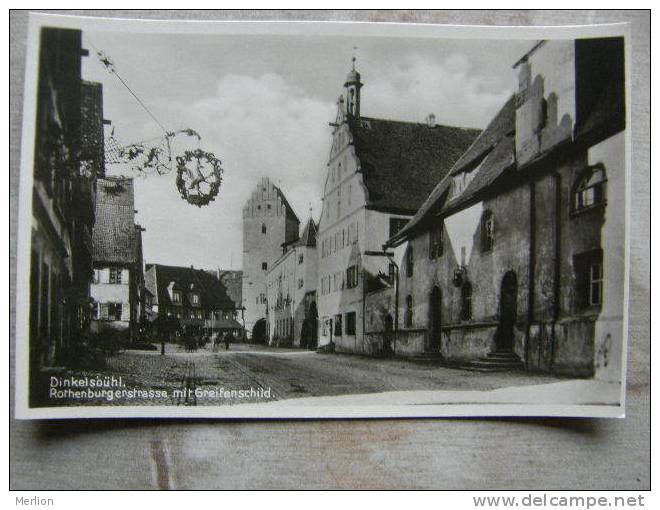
x: 353, y: 76
x: 308, y: 237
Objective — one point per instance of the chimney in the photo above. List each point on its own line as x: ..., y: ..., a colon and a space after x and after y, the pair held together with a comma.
x: 430, y: 120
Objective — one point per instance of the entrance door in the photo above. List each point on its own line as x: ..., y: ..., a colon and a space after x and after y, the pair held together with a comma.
x: 508, y: 312
x: 435, y: 319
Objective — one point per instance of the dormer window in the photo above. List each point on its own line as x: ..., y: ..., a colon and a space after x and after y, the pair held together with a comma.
x: 194, y: 298
x: 176, y: 297
x: 589, y: 190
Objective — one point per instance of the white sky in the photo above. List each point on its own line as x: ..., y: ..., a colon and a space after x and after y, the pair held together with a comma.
x: 262, y: 104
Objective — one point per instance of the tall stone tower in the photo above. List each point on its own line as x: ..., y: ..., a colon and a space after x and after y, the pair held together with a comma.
x: 268, y: 223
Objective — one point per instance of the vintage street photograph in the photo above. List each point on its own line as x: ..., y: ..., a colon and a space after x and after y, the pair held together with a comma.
x: 321, y: 220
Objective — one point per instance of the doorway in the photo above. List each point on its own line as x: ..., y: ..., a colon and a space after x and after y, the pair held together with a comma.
x: 508, y: 312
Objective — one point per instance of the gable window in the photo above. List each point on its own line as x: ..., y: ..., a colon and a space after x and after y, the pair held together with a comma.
x: 115, y: 275
x: 589, y: 278
x: 589, y: 191
x: 176, y: 297
x: 301, y: 258
x: 409, y: 261
x: 408, y: 317
x: 301, y: 283
x: 466, y: 301
x: 436, y: 241
x: 487, y: 231
x: 263, y: 228
x: 194, y: 298
x: 264, y: 266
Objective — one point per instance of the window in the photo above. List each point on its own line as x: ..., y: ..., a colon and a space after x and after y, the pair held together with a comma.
x: 301, y: 283
x: 466, y: 301
x: 97, y: 276
x: 436, y: 247
x: 350, y: 323
x: 301, y: 258
x: 408, y: 317
x: 115, y: 275
x: 409, y: 261
x: 589, y: 190
x: 176, y: 297
x: 268, y: 207
x: 351, y: 277
x: 391, y: 271
x: 114, y: 311
x: 589, y: 278
x: 338, y: 325
x: 263, y: 228
x: 397, y: 224
x: 194, y: 298
x: 596, y: 284
x: 264, y: 266
x: 487, y: 228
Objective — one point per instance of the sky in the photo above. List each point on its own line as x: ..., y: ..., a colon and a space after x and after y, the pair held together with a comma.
x: 262, y: 105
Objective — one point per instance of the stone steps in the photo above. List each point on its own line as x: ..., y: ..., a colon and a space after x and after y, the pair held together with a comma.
x: 497, y: 362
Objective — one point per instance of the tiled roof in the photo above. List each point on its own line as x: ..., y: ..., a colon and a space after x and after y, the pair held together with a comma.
x: 212, y: 292
x: 401, y: 162
x: 493, y: 150
x: 114, y: 238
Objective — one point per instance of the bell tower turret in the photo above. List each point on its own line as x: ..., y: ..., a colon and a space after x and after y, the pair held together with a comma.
x: 353, y: 86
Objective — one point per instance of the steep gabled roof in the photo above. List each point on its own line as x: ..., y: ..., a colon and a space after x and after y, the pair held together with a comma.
x: 211, y: 290
x: 401, y: 162
x: 114, y: 238
x: 308, y: 237
x: 491, y: 153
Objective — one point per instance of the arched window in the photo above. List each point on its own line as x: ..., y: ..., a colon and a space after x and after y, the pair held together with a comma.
x: 408, y: 318
x: 487, y: 231
x: 589, y: 190
x: 466, y: 301
x: 263, y: 228
x: 409, y: 261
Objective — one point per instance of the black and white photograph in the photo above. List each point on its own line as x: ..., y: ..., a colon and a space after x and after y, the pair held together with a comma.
x: 308, y: 220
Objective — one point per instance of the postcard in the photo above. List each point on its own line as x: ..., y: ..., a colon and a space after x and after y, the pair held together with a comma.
x: 322, y: 220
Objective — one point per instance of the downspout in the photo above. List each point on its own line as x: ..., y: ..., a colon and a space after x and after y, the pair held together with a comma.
x: 557, y: 268
x: 532, y: 259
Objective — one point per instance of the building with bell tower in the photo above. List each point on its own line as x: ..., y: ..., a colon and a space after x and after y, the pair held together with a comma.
x: 269, y: 222
x: 377, y: 176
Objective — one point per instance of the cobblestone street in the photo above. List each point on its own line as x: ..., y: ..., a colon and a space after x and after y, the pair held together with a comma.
x: 287, y: 373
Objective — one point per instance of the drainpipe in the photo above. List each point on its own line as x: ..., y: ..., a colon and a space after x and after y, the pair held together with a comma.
x: 557, y: 268
x: 532, y: 259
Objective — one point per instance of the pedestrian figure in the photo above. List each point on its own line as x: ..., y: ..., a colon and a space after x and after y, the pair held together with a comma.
x: 214, y: 338
x: 227, y: 338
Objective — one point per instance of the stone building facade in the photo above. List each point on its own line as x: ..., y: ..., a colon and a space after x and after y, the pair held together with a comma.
x: 517, y: 256
x: 268, y: 223
x: 62, y: 206
x: 378, y: 174
x: 291, y: 292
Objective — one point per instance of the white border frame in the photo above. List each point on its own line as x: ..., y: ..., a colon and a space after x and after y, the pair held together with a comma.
x: 280, y: 409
